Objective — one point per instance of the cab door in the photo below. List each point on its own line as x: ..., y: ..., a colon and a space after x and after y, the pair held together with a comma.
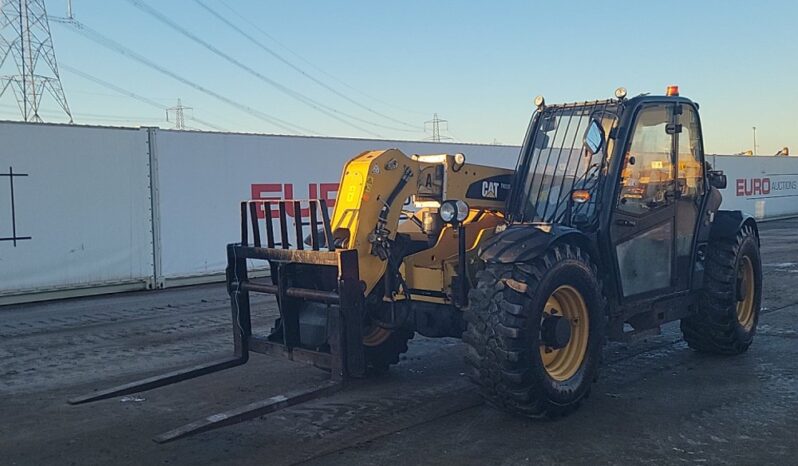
x: 643, y: 224
x: 690, y: 189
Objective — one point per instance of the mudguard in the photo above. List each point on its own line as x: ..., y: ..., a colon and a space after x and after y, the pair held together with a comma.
x: 520, y: 243
x: 728, y: 222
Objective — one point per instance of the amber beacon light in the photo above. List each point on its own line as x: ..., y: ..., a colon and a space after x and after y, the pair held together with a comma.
x: 580, y: 196
x: 672, y: 91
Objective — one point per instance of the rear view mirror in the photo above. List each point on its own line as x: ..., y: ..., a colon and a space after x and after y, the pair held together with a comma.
x: 717, y: 179
x: 594, y: 137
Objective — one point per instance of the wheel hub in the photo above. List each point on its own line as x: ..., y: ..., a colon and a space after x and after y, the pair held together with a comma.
x: 741, y: 289
x: 564, y: 330
x: 555, y: 331
x: 746, y: 314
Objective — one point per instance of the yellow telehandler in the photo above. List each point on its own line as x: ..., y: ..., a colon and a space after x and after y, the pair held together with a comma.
x: 609, y: 227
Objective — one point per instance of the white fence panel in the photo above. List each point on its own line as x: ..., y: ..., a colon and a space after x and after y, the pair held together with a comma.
x: 204, y: 176
x: 81, y: 214
x: 80, y: 208
x: 765, y: 187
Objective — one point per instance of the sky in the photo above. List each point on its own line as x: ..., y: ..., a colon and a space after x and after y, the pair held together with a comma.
x: 381, y: 69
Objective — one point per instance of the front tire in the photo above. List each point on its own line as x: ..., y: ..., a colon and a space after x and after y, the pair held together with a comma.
x: 728, y: 312
x: 384, y: 347
x: 514, y: 352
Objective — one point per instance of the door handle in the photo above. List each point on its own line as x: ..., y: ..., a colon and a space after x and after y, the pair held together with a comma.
x: 625, y: 223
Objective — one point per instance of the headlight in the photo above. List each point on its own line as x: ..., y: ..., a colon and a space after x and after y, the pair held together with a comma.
x: 448, y: 212
x: 462, y: 210
x: 453, y: 211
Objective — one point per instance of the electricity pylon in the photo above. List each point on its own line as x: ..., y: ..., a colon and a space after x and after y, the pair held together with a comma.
x: 435, y: 123
x: 180, y: 119
x: 28, y: 68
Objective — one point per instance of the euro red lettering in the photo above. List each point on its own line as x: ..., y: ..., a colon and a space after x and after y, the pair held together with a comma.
x: 327, y: 191
x: 268, y: 191
x: 752, y: 186
x: 278, y: 191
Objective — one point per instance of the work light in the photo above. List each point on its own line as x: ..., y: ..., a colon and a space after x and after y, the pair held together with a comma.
x: 453, y: 211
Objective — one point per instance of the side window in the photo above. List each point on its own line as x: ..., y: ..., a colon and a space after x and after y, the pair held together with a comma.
x: 691, y: 170
x: 647, y: 172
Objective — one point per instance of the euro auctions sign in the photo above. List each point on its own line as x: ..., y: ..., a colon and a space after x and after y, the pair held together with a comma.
x: 766, y: 186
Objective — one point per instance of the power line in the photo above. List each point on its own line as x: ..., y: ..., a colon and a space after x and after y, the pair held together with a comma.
x: 112, y: 45
x: 306, y: 100
x: 97, y: 116
x: 113, y: 87
x: 131, y: 94
x: 94, y: 93
x: 296, y: 68
x: 329, y: 111
x: 309, y: 63
x: 453, y: 136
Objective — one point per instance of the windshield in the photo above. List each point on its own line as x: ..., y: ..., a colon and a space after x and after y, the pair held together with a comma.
x: 555, y: 161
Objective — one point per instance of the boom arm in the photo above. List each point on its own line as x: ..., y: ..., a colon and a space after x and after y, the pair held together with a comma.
x: 376, y: 184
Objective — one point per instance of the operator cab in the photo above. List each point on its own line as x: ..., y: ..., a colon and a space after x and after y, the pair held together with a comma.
x: 625, y: 178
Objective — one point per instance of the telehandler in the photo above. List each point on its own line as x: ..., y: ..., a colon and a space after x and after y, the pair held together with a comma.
x: 609, y: 226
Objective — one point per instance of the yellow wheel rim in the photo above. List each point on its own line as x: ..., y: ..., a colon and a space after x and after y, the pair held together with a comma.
x: 745, y: 284
x: 561, y: 364
x: 374, y: 335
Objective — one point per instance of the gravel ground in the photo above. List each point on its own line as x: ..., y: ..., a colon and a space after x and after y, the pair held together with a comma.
x: 656, y: 402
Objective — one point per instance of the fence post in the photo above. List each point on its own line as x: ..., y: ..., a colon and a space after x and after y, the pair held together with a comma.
x: 155, y: 208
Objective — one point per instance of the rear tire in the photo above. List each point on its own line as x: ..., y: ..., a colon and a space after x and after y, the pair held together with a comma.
x: 515, y: 370
x: 727, y: 314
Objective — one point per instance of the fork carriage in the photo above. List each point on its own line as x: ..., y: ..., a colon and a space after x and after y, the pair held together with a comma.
x: 343, y: 297
x: 337, y: 285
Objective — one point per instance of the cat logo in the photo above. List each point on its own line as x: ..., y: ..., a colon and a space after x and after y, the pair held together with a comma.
x: 490, y: 189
